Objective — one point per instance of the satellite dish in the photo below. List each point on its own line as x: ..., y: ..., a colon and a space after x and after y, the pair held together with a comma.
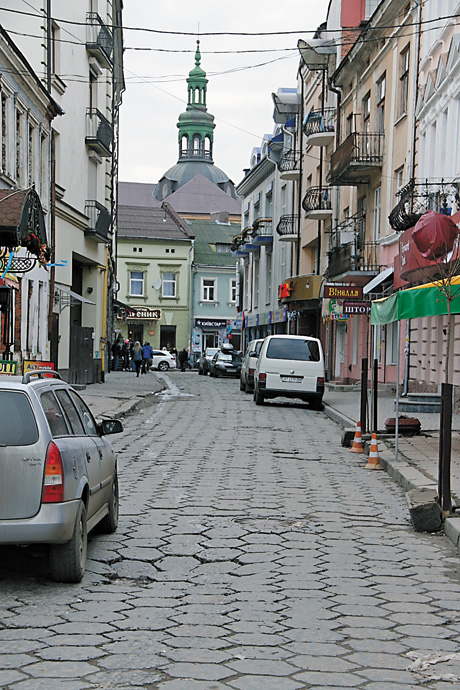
x: 157, y: 284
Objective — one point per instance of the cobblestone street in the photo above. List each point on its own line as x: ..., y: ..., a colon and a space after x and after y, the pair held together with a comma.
x: 253, y: 553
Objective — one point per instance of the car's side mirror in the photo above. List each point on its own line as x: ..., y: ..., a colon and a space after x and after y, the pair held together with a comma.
x: 110, y: 426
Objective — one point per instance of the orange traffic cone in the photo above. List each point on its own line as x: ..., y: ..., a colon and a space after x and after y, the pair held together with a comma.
x: 374, y: 461
x: 357, y: 446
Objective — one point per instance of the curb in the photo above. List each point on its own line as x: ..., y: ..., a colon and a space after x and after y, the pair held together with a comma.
x: 402, y: 472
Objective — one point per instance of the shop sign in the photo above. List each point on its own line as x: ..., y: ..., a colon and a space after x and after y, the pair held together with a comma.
x: 343, y: 292
x: 284, y: 290
x: 210, y: 323
x: 8, y: 367
x: 239, y: 321
x: 356, y: 307
x: 33, y: 365
x: 300, y: 288
x: 333, y: 310
x: 144, y: 313
x: 279, y: 315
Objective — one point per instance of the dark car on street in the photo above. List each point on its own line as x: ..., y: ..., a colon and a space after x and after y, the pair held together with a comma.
x: 205, y: 360
x: 226, y: 364
x: 58, y: 472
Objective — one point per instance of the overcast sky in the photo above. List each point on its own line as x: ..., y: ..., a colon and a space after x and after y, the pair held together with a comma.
x: 239, y: 91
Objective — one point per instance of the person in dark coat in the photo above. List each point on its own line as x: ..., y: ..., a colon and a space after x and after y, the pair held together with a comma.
x: 183, y: 359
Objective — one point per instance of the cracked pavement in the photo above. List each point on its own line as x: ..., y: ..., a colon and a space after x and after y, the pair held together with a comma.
x: 253, y: 553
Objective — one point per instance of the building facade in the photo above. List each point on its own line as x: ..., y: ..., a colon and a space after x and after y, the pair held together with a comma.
x: 154, y: 274
x: 83, y: 170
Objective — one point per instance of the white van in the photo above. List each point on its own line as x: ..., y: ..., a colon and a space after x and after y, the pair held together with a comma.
x: 249, y: 365
x: 291, y: 366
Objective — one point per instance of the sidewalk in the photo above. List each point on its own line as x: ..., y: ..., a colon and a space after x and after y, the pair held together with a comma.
x: 417, y: 462
x: 120, y: 393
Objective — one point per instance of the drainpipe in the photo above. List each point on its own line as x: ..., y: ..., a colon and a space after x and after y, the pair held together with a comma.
x: 104, y: 314
x: 299, y: 191
x: 190, y: 292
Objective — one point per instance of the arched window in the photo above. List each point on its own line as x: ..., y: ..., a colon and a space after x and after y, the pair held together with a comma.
x: 184, y: 145
x: 196, y: 144
x: 197, y: 98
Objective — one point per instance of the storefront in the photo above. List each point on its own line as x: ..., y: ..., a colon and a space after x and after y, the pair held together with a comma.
x: 301, y: 295
x: 213, y: 332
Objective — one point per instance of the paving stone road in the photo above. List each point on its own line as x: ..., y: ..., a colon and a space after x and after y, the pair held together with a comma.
x: 253, y: 553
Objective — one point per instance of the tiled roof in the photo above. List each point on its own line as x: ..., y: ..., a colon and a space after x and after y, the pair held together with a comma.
x: 208, y: 234
x: 152, y: 223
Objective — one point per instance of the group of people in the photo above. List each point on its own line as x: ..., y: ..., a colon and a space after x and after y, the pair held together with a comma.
x: 132, y: 355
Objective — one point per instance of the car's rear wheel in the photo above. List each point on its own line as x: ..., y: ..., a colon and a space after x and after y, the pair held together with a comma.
x: 316, y: 404
x: 68, y: 561
x: 242, y: 385
x: 109, y: 524
x: 200, y: 372
x: 258, y: 397
x: 163, y: 366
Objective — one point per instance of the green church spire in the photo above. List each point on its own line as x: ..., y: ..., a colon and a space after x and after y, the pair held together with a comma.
x: 196, y: 125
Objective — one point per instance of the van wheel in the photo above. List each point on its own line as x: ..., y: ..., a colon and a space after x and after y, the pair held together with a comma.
x: 258, y: 397
x: 242, y: 386
x: 68, y: 561
x: 316, y: 404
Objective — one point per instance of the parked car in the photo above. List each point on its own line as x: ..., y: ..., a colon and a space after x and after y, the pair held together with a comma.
x: 226, y: 363
x: 291, y: 366
x: 249, y: 364
x: 163, y: 360
x: 58, y: 470
x: 205, y: 360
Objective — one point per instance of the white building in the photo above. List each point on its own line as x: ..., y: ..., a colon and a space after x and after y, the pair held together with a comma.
x: 77, y: 54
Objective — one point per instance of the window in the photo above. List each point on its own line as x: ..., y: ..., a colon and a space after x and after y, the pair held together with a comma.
x: 53, y: 414
x: 256, y: 283
x: 268, y: 278
x: 71, y: 412
x: 377, y: 213
x: 18, y: 427
x: 222, y: 248
x: 85, y: 415
x: 399, y: 176
x: 31, y: 155
x: 18, y: 168
x: 392, y: 344
x: 208, y: 289
x: 367, y: 106
x: 136, y: 283
x: 233, y: 290
x: 404, y: 81
x: 4, y: 102
x: 381, y: 90
x: 169, y: 284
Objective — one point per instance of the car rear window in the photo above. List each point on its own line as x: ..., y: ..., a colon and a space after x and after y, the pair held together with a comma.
x: 18, y: 426
x: 288, y: 348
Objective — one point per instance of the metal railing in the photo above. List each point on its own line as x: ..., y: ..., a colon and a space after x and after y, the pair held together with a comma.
x: 317, y: 199
x: 287, y: 225
x: 195, y: 153
x: 418, y: 196
x: 99, y: 40
x: 359, y: 151
x: 317, y: 122
x: 287, y: 162
x: 99, y: 132
x: 99, y: 219
x: 355, y: 256
x: 262, y: 227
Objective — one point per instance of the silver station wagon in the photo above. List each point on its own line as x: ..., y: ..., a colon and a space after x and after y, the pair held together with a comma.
x: 58, y: 473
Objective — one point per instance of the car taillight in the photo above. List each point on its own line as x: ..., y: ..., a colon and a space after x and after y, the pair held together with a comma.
x: 251, y: 372
x: 320, y: 384
x: 53, y: 485
x: 262, y: 380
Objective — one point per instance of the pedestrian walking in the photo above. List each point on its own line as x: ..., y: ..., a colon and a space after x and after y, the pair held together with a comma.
x: 146, y: 357
x: 137, y: 357
x: 126, y: 355
x: 117, y: 352
x: 183, y: 359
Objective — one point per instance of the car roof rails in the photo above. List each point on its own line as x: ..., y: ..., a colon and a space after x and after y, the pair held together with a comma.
x: 41, y: 374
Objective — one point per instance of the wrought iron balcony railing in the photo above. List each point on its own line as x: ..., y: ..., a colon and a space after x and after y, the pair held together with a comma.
x: 99, y: 40
x: 353, y: 258
x: 287, y: 162
x: 355, y: 158
x: 287, y: 226
x: 317, y: 122
x: 418, y: 197
x: 350, y: 230
x: 262, y: 230
x: 316, y: 200
x: 99, y: 132
x: 99, y: 221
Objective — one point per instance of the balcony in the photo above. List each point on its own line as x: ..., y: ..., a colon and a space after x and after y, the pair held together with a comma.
x: 262, y: 232
x: 99, y: 133
x: 288, y: 166
x: 99, y: 40
x: 356, y: 159
x: 317, y: 203
x: 319, y: 128
x: 418, y: 197
x: 287, y: 228
x: 99, y: 221
x: 240, y: 243
x: 355, y: 262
